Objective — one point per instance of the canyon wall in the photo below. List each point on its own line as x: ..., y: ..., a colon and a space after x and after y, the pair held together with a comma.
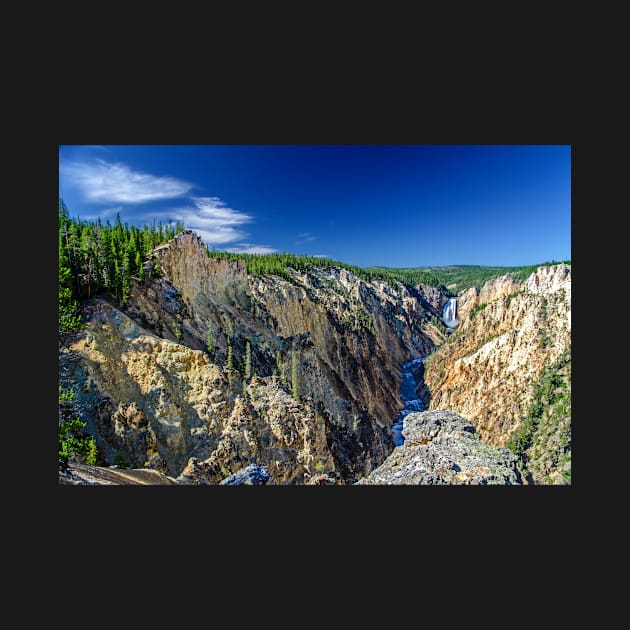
x: 316, y: 368
x: 489, y: 368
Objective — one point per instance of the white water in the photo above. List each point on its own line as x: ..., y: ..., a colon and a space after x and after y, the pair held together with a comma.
x: 449, y: 314
x: 408, y: 394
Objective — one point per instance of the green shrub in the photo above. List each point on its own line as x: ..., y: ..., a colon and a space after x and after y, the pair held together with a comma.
x: 477, y: 309
x: 294, y: 378
x: 66, y: 395
x: 210, y: 340
x: 74, y: 441
x: 92, y: 458
x: 121, y: 460
x: 177, y: 331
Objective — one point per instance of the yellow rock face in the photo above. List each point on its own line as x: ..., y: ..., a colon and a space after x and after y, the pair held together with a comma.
x: 486, y: 371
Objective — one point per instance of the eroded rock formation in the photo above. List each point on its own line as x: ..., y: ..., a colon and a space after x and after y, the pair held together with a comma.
x: 488, y: 369
x: 442, y: 448
x: 316, y: 368
x: 209, y: 372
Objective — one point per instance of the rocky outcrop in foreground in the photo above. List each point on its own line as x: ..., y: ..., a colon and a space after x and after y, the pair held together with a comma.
x: 252, y: 475
x: 84, y: 475
x: 443, y: 448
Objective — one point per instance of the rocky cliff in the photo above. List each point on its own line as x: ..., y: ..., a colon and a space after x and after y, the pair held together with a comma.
x: 314, y: 384
x: 209, y: 371
x: 489, y: 369
x: 442, y: 448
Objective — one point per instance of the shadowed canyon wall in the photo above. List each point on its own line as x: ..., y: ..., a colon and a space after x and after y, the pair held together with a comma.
x: 316, y: 368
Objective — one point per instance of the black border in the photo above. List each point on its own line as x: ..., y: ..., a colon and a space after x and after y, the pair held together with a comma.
x: 378, y: 113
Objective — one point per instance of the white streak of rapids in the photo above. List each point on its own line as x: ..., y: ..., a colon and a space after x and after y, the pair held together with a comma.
x: 408, y: 394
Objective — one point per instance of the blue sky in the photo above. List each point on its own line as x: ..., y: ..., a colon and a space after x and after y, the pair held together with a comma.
x: 396, y: 206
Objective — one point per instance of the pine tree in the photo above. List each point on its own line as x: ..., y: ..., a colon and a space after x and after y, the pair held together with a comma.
x: 91, y: 457
x: 282, y: 373
x: 87, y: 256
x: 248, y: 360
x: 116, y: 278
x: 230, y: 360
x: 105, y: 257
x: 125, y: 280
x: 69, y: 318
x: 139, y: 265
x: 294, y: 378
x: 93, y: 256
x: 210, y: 340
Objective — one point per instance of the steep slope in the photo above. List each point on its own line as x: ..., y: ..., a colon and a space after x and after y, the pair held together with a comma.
x: 542, y: 439
x: 314, y: 383
x: 161, y: 403
x: 490, y: 367
x: 347, y: 333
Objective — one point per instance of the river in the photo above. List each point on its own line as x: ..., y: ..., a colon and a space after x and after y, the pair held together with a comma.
x: 410, y: 398
x: 409, y: 384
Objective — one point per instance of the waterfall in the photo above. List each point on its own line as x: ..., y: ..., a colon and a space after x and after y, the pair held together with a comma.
x: 449, y: 314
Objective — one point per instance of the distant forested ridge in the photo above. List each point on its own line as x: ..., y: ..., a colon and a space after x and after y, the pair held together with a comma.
x: 455, y: 278
x: 278, y: 264
x: 96, y: 257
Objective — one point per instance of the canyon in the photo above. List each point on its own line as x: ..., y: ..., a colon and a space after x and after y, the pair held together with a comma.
x: 320, y: 377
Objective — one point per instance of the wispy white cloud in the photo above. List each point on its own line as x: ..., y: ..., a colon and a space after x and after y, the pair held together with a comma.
x: 212, y: 220
x: 106, y: 182
x: 248, y: 248
x: 320, y: 255
x: 305, y: 237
